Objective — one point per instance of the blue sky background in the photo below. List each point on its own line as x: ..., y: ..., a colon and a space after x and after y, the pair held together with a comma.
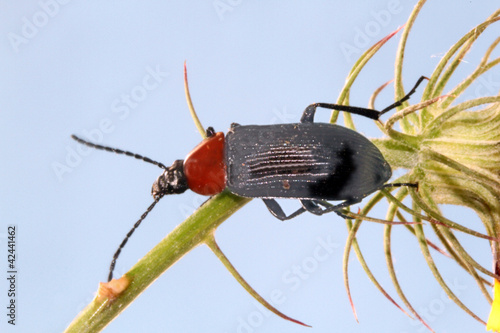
x: 248, y: 62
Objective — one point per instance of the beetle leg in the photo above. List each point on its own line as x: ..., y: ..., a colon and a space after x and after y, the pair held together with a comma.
x: 309, y: 112
x: 405, y: 97
x: 308, y: 115
x: 275, y: 209
x: 312, y: 207
x: 210, y: 132
x: 336, y: 208
x: 414, y: 185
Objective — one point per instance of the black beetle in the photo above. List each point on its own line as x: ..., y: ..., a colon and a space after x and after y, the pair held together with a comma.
x: 308, y: 161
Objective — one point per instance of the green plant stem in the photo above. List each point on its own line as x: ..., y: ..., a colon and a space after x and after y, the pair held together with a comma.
x: 398, y: 65
x: 187, y: 235
x: 389, y: 260
x: 212, y: 244
x: 192, y: 111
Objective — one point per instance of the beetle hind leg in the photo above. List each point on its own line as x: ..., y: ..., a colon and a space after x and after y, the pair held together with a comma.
x: 414, y: 185
x: 310, y: 111
x: 275, y: 209
x: 405, y: 97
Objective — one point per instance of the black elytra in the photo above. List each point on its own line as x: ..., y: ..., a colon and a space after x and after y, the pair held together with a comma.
x: 312, y: 162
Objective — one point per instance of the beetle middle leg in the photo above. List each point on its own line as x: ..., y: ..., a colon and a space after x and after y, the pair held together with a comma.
x: 275, y: 209
x: 332, y: 208
x: 311, y: 206
x: 310, y: 111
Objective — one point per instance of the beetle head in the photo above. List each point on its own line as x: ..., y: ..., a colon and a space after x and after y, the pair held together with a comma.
x: 171, y: 181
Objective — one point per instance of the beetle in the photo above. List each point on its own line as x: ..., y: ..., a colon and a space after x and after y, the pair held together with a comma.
x: 309, y: 161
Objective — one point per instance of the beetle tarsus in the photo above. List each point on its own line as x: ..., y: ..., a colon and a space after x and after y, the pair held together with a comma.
x: 405, y: 97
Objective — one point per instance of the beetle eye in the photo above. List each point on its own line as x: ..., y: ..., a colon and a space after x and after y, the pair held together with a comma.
x: 155, y: 190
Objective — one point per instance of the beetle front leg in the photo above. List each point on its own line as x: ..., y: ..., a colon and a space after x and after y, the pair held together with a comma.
x: 275, y: 209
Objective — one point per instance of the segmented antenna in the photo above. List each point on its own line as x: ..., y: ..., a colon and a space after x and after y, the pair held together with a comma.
x: 118, y: 151
x: 143, y: 216
x: 125, y: 240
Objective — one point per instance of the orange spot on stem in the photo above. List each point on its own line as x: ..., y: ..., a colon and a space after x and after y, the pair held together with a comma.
x: 112, y: 289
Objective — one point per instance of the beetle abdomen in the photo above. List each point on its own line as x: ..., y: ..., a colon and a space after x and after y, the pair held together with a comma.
x: 305, y: 160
